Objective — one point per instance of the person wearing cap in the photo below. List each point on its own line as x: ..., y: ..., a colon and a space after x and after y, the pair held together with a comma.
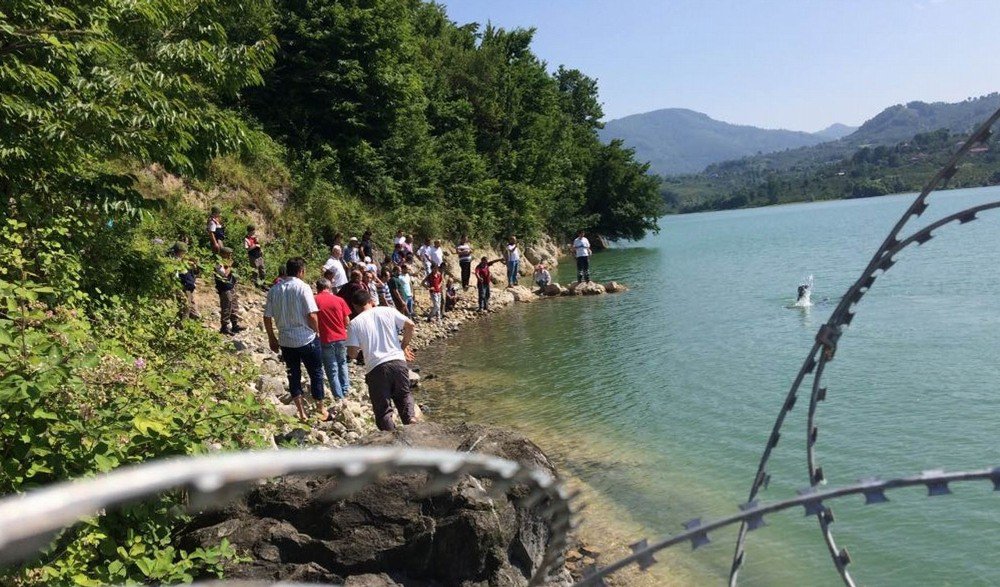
x: 187, y: 277
x: 351, y: 255
x: 225, y: 285
x: 216, y: 232
x: 336, y: 265
x: 254, y: 253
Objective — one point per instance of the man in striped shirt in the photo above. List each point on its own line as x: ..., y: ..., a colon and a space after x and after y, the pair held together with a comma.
x: 290, y: 304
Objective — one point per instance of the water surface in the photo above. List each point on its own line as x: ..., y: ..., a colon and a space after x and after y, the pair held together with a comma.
x: 660, y: 400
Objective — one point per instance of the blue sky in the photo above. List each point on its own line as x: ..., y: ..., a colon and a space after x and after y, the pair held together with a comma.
x: 796, y: 64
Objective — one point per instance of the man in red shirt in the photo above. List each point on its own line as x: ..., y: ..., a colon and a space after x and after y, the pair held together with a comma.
x: 433, y: 283
x: 334, y: 316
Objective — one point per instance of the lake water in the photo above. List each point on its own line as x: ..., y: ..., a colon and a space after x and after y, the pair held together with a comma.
x: 659, y: 401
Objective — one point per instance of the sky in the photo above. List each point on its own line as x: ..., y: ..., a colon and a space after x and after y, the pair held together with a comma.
x: 795, y: 64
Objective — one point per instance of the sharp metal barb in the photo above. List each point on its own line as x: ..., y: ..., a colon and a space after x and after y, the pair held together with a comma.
x: 643, y: 556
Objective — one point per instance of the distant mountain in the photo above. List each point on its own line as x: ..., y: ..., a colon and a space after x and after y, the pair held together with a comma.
x: 835, y: 131
x: 902, y: 121
x: 677, y: 140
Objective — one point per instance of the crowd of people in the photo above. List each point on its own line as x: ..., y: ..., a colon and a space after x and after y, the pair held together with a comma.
x: 360, y: 309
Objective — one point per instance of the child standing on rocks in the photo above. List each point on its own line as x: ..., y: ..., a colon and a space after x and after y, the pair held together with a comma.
x: 254, y: 253
x: 433, y: 283
x: 483, y: 282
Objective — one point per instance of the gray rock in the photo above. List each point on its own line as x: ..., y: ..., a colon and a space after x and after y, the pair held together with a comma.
x: 614, y: 287
x: 388, y: 531
x: 272, y: 385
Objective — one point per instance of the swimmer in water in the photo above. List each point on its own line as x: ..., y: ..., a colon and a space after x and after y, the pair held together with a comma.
x: 802, y: 291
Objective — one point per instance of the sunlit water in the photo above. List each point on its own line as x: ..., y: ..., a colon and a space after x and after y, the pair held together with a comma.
x: 660, y: 400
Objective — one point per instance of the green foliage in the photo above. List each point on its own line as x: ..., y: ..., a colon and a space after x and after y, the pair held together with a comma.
x: 450, y: 129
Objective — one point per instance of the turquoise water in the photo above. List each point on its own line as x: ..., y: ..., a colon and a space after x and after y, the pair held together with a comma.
x: 661, y: 399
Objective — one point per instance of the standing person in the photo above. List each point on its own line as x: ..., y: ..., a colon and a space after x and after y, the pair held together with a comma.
x: 513, y: 255
x: 433, y: 283
x: 423, y: 253
x: 436, y: 255
x: 216, y: 232
x: 373, y: 284
x: 351, y: 255
x: 464, y: 250
x: 366, y: 245
x: 408, y: 244
x: 405, y: 286
x: 188, y: 279
x: 375, y: 333
x: 400, y: 238
x: 347, y: 292
x: 542, y: 276
x: 396, y: 296
x: 291, y: 304
x: 483, y: 282
x: 581, y: 249
x: 225, y: 285
x: 334, y: 316
x: 336, y: 265
x: 384, y: 291
x: 254, y: 253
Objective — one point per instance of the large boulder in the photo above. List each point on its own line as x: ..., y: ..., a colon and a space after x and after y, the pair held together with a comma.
x: 522, y: 294
x: 554, y: 289
x: 586, y: 288
x: 389, y: 531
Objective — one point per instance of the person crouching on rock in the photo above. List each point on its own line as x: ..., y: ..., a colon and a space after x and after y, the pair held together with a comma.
x: 375, y: 333
x: 450, y: 296
x: 542, y: 276
x: 225, y: 285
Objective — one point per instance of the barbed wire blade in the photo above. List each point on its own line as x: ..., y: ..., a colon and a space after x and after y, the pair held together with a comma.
x: 699, y: 539
x: 644, y: 560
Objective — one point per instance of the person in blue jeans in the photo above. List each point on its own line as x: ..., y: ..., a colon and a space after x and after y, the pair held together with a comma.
x: 513, y: 255
x: 291, y: 309
x: 334, y: 316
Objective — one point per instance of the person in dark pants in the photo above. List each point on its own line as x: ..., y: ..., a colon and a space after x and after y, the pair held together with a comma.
x: 216, y: 232
x: 225, y: 285
x: 582, y: 252
x: 464, y: 250
x: 188, y: 279
x: 252, y: 244
x: 290, y: 304
x: 375, y: 332
x: 483, y: 277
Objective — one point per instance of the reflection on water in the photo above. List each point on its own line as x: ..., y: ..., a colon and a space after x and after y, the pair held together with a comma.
x: 659, y: 400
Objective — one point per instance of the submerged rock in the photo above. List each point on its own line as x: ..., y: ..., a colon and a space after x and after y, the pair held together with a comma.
x: 388, y: 531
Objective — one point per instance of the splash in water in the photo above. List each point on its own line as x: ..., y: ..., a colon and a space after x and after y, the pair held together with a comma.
x: 805, y: 294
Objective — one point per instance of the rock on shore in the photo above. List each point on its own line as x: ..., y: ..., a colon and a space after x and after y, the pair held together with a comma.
x: 388, y: 533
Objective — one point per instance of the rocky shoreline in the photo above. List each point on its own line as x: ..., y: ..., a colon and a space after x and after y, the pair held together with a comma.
x: 354, y: 424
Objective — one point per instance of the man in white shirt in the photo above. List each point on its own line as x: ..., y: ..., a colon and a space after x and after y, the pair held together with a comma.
x: 581, y: 249
x: 291, y: 304
x: 436, y: 255
x: 374, y: 332
x: 423, y: 253
x: 335, y: 265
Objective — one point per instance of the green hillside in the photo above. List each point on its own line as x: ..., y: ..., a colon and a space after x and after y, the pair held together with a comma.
x: 676, y: 140
x: 121, y: 123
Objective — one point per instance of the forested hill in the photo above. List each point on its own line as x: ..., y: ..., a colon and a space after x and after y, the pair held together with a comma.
x: 894, y: 151
x: 902, y: 121
x: 676, y: 140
